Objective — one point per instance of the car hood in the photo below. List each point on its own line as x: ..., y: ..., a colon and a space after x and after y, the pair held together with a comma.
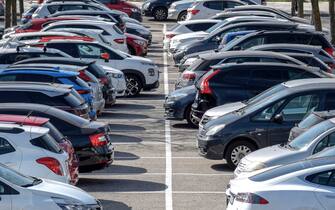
x: 225, y: 119
x: 111, y: 70
x: 300, y: 20
x: 274, y: 155
x: 224, y: 109
x: 61, y: 190
x: 138, y: 27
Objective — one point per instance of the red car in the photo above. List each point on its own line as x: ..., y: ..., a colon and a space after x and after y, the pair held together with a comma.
x: 124, y: 6
x: 137, y: 45
x: 64, y: 143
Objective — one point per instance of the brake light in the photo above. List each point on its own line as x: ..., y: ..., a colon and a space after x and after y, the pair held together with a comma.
x: 189, y: 76
x: 52, y: 164
x: 119, y: 41
x: 251, y: 198
x: 104, y: 81
x: 170, y: 36
x: 193, y: 11
x: 83, y: 91
x: 84, y: 76
x: 204, y: 86
x: 98, y: 140
x: 330, y: 51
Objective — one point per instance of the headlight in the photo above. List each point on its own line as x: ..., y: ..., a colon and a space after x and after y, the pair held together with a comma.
x: 66, y: 204
x: 213, y: 130
x: 116, y: 75
x: 140, y: 42
x: 254, y: 166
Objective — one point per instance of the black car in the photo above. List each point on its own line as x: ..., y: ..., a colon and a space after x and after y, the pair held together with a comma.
x: 90, y: 66
x: 157, y: 8
x: 265, y: 122
x: 309, y: 121
x: 212, y: 41
x: 237, y: 82
x: 90, y: 139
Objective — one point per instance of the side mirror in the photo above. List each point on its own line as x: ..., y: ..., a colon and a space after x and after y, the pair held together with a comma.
x: 278, y: 118
x: 237, y: 48
x: 105, y: 56
x: 218, y: 39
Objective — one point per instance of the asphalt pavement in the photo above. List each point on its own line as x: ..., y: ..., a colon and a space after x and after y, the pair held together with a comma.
x: 156, y: 161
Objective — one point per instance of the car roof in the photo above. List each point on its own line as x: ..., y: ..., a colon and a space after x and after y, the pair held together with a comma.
x: 70, y: 3
x: 51, y: 71
x: 36, y: 86
x: 83, y: 22
x: 199, y: 21
x: 60, y: 13
x: 274, y: 23
x: 325, y: 114
x: 287, y: 46
x: 23, y: 119
x: 43, y: 33
x: 75, y: 61
x: 311, y: 83
x: 27, y: 50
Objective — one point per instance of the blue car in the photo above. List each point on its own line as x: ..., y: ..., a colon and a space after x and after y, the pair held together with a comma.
x: 51, y: 76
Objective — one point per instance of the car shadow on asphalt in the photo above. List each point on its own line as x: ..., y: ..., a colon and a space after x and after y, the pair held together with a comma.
x: 119, y: 156
x: 122, y: 127
x: 117, y: 138
x: 184, y: 126
x: 119, y: 115
x: 115, y: 205
x: 119, y: 185
x: 222, y: 167
x: 122, y: 169
x: 147, y: 96
x: 132, y: 106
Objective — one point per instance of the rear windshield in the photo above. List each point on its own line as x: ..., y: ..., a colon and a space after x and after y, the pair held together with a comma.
x: 205, y: 65
x: 97, y: 70
x: 117, y: 30
x: 309, y: 121
x: 54, y: 132
x: 73, y: 100
x: 47, y: 142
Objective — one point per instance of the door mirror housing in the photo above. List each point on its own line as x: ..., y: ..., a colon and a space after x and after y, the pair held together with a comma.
x: 105, y: 56
x: 278, y: 118
x: 218, y: 39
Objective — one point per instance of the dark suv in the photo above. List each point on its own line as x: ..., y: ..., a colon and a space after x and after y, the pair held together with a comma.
x: 238, y: 82
x: 265, y: 120
x: 157, y: 8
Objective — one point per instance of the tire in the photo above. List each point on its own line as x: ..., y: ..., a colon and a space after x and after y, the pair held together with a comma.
x: 189, y: 118
x: 134, y: 85
x: 160, y: 13
x: 182, y: 16
x: 239, y: 148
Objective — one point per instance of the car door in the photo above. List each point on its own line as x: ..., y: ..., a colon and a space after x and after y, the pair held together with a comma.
x: 291, y: 112
x: 6, y: 194
x: 9, y: 155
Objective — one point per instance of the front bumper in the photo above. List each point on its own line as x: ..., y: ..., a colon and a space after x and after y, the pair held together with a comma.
x: 173, y: 14
x: 210, y: 148
x: 172, y: 112
x: 155, y: 85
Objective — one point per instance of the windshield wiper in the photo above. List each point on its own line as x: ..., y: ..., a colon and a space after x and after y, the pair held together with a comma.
x: 35, y: 182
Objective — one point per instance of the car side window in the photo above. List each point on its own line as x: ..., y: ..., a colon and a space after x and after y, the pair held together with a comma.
x: 231, y: 4
x: 8, y: 78
x: 14, y: 97
x: 251, y: 43
x: 326, y: 142
x: 267, y: 113
x: 54, y: 8
x: 320, y: 178
x: 5, y: 147
x: 330, y: 101
x: 73, y: 7
x: 215, y: 5
x: 6, y: 190
x: 299, y: 106
x: 34, y: 78
x: 241, y: 59
x: 68, y: 48
x: 89, y: 51
x: 299, y: 74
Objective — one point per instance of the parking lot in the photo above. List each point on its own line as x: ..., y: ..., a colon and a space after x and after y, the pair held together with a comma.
x: 156, y: 162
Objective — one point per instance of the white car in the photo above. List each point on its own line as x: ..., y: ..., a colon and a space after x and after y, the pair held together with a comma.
x: 178, y: 9
x: 307, y: 184
x: 26, y: 193
x: 184, y: 27
x: 32, y: 151
x: 141, y: 73
x: 207, y: 8
x: 111, y: 33
x: 118, y: 80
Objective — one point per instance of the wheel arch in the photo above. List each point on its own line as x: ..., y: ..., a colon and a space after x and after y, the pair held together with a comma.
x: 136, y: 73
x: 240, y: 138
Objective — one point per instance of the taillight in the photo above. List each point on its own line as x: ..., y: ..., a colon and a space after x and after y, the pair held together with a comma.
x: 119, y: 41
x: 52, y: 164
x: 104, y: 80
x: 330, y: 51
x: 98, y: 140
x: 193, y: 11
x: 170, y: 36
x: 189, y: 76
x: 204, y: 86
x: 83, y: 91
x: 251, y: 198
x: 84, y: 76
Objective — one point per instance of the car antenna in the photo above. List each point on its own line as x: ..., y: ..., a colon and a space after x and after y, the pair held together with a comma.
x: 28, y: 115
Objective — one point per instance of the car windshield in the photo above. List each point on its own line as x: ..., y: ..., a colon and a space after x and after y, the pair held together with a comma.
x: 17, y: 178
x: 307, y: 137
x: 267, y: 93
x: 309, y: 121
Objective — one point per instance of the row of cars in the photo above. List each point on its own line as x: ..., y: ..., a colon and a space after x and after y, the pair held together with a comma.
x: 58, y: 71
x: 260, y: 86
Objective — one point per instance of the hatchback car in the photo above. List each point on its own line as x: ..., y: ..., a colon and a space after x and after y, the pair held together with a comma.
x: 21, y: 192
x: 238, y: 82
x: 33, y: 151
x: 263, y: 122
x: 178, y: 10
x: 89, y: 138
x: 313, y: 141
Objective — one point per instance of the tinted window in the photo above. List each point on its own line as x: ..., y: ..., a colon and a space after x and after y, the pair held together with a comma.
x: 320, y: 178
x: 95, y: 51
x: 7, y: 78
x: 309, y: 121
x: 330, y: 101
x: 268, y: 112
x: 199, y: 26
x: 54, y: 132
x: 14, y: 96
x: 234, y: 77
x: 46, y: 142
x: 12, y: 58
x: 65, y: 47
x: 73, y: 7
x: 215, y: 5
x: 299, y: 74
x: 41, y: 98
x: 241, y: 60
x: 251, y: 42
x: 267, y: 75
x: 328, y: 141
x: 54, y: 8
x: 34, y: 78
x: 5, y: 147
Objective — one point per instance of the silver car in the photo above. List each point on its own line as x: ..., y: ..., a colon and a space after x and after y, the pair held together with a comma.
x: 178, y: 10
x: 313, y: 141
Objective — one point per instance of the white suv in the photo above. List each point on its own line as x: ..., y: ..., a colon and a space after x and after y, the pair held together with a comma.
x: 204, y: 9
x: 114, y: 36
x: 32, y: 151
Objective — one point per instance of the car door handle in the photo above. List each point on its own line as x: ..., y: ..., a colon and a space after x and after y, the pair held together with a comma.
x: 330, y: 196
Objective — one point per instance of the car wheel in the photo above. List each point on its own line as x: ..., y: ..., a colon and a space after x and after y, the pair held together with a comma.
x: 182, y: 16
x: 160, y: 13
x: 134, y: 85
x: 190, y: 120
x: 236, y: 151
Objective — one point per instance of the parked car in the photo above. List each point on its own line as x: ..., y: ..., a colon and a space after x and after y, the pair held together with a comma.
x: 317, y: 51
x: 313, y: 141
x: 187, y: 27
x: 124, y: 6
x: 40, y: 194
x: 178, y: 10
x: 18, y: 37
x: 264, y: 120
x: 141, y: 73
x: 31, y: 150
x: 204, y: 9
x: 157, y: 8
x: 301, y: 185
x: 56, y: 95
x: 137, y: 45
x: 62, y: 141
x: 89, y: 138
x: 311, y: 120
x: 310, y: 60
x: 27, y: 14
x: 140, y: 31
x: 226, y: 15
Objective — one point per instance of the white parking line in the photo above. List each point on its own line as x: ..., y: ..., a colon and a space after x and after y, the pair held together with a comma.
x: 168, y: 160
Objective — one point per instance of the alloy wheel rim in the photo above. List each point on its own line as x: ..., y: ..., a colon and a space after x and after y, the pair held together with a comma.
x: 238, y: 153
x: 160, y: 14
x: 132, y: 86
